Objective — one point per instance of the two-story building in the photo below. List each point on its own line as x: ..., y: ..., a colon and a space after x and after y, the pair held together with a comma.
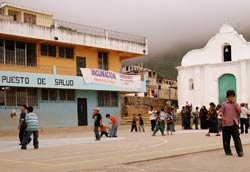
x: 41, y: 61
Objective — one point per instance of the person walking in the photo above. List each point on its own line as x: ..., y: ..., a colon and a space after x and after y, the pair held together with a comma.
x: 31, y: 120
x: 230, y: 124
x: 196, y: 118
x: 141, y: 123
x: 134, y: 123
x: 22, y: 124
x: 244, y: 123
x: 158, y: 125
x: 97, y: 123
x: 152, y: 117
x: 114, y: 127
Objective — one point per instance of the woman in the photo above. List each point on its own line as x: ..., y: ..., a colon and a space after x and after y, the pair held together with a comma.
x: 212, y: 120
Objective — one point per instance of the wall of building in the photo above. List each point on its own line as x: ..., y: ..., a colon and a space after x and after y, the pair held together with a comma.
x: 60, y: 114
x: 206, y: 86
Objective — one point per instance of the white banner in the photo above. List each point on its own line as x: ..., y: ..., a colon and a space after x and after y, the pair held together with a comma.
x: 111, y: 78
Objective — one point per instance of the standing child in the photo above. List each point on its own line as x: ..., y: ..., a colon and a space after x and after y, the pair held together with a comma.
x: 169, y: 120
x: 230, y: 124
x: 32, y: 128
x: 134, y: 121
x: 141, y: 124
x: 158, y: 125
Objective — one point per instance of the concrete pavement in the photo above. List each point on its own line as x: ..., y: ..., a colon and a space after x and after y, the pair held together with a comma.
x: 76, y: 151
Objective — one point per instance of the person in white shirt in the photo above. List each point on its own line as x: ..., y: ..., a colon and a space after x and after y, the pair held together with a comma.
x: 244, y: 123
x: 163, y: 116
x: 152, y: 117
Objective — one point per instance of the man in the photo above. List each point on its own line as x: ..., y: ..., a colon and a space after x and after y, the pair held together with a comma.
x: 152, y: 117
x: 183, y: 117
x: 22, y: 124
x: 196, y: 117
x: 32, y: 128
x: 97, y: 123
x: 174, y: 118
x: 244, y: 119
x: 114, y: 122
x: 230, y: 124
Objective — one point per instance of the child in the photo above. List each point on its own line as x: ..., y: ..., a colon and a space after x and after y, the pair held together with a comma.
x: 104, y: 130
x: 169, y: 120
x: 141, y: 124
x: 32, y: 128
x: 230, y: 124
x: 134, y: 121
x: 158, y: 125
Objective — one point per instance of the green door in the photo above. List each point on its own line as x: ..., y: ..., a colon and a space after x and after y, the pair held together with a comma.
x: 226, y: 82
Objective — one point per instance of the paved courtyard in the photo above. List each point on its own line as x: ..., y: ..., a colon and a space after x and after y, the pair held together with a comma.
x: 68, y: 150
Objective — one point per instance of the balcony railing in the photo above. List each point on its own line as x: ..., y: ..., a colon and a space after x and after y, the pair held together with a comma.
x: 56, y: 70
x: 98, y: 31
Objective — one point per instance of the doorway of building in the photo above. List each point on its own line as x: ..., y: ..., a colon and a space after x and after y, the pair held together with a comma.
x: 80, y: 63
x: 82, y: 112
x: 226, y: 82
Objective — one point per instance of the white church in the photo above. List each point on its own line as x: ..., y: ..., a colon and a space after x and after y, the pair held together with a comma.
x: 206, y: 74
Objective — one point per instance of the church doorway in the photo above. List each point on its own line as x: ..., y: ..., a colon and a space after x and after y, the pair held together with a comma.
x: 226, y: 82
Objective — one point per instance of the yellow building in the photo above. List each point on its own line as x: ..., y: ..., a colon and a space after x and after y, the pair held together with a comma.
x: 40, y: 62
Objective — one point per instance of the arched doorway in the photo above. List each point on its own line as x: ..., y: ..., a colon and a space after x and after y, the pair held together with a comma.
x: 226, y: 82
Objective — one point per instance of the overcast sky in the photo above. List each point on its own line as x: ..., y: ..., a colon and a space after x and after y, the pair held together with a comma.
x: 172, y: 27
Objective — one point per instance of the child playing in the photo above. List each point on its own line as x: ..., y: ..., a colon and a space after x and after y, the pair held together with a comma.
x: 134, y: 121
x: 158, y: 125
x: 104, y: 130
x: 141, y: 124
x: 32, y: 128
x: 169, y: 120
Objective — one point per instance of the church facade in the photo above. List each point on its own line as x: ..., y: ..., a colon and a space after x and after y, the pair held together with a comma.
x: 223, y: 64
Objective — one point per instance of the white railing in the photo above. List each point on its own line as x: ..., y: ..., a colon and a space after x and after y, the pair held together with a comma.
x: 98, y: 31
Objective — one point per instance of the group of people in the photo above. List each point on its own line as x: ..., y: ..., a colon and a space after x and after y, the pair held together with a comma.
x: 28, y: 125
x: 212, y: 118
x: 100, y: 129
x: 159, y: 119
x: 224, y: 118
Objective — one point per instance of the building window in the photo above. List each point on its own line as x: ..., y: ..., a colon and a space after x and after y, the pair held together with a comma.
x: 66, y: 52
x: 58, y: 95
x: 191, y: 84
x: 227, y: 53
x: 11, y: 96
x: 150, y: 74
x: 15, y: 14
x: 48, y: 50
x: 107, y: 99
x: 103, y: 60
x: 20, y: 53
x: 1, y: 51
x: 53, y: 94
x: 10, y: 52
x: 17, y: 53
x: 29, y: 18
